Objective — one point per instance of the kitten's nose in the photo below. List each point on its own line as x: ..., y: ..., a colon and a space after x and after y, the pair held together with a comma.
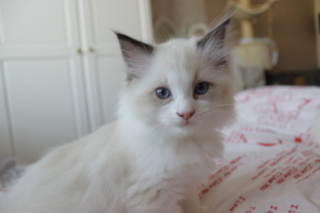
x: 186, y: 115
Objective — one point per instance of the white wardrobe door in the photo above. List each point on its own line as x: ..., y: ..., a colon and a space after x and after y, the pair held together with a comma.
x: 41, y: 77
x: 6, y: 147
x: 104, y: 67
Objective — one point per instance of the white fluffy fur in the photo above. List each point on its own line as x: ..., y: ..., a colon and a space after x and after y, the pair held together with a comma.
x: 148, y: 161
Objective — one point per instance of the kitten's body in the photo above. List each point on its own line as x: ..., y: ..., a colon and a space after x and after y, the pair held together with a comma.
x: 151, y: 159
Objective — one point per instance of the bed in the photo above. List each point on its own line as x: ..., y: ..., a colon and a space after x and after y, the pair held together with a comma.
x: 271, y: 163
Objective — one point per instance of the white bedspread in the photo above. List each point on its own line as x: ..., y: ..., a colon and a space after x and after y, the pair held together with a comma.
x: 272, y: 165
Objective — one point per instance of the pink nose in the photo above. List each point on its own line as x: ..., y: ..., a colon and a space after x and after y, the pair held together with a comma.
x: 186, y: 115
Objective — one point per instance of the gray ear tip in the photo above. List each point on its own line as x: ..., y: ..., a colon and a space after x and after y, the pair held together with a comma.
x: 115, y: 32
x: 128, y: 42
x: 217, y: 34
x: 227, y: 21
x: 122, y: 37
x: 119, y: 35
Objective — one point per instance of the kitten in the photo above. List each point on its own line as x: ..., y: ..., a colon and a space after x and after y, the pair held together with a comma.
x: 160, y: 148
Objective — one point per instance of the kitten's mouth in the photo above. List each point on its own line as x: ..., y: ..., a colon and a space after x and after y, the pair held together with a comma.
x: 183, y: 123
x: 186, y: 123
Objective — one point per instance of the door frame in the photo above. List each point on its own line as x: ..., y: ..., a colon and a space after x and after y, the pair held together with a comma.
x: 317, y: 28
x: 94, y: 105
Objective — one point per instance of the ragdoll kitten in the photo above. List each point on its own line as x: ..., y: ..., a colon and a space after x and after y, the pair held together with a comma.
x: 159, y: 150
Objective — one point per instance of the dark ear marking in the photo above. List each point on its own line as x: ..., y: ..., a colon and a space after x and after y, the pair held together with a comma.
x: 125, y: 38
x: 223, y: 62
x: 217, y: 35
x: 136, y: 55
x: 128, y: 45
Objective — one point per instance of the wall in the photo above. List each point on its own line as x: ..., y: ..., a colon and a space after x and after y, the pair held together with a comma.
x: 214, y: 9
x: 292, y: 26
x: 181, y: 15
x: 293, y: 30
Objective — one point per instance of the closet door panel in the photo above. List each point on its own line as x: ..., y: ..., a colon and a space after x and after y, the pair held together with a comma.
x: 121, y: 16
x: 42, y: 75
x: 105, y: 16
x: 110, y: 82
x: 102, y: 56
x: 6, y: 148
x: 21, y: 22
x: 40, y: 101
x: 35, y: 28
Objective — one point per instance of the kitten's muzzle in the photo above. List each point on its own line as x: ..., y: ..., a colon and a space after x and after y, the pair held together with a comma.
x: 186, y: 115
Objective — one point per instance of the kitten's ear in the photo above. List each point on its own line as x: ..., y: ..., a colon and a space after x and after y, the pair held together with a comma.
x: 136, y: 54
x: 215, y: 39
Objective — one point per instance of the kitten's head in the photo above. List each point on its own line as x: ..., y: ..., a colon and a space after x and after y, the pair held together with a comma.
x: 181, y: 85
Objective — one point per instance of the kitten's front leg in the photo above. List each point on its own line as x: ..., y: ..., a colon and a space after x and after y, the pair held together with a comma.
x: 192, y: 204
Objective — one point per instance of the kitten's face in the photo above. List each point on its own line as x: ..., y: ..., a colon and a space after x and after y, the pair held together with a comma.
x: 182, y: 87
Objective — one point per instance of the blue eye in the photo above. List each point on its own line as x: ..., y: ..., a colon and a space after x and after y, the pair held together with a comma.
x: 163, y: 93
x: 201, y: 88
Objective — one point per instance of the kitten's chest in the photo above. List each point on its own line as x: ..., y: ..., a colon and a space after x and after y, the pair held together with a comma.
x: 163, y: 180
x: 174, y: 168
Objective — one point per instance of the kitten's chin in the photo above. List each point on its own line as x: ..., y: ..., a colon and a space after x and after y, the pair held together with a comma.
x: 179, y: 130
x: 185, y: 128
